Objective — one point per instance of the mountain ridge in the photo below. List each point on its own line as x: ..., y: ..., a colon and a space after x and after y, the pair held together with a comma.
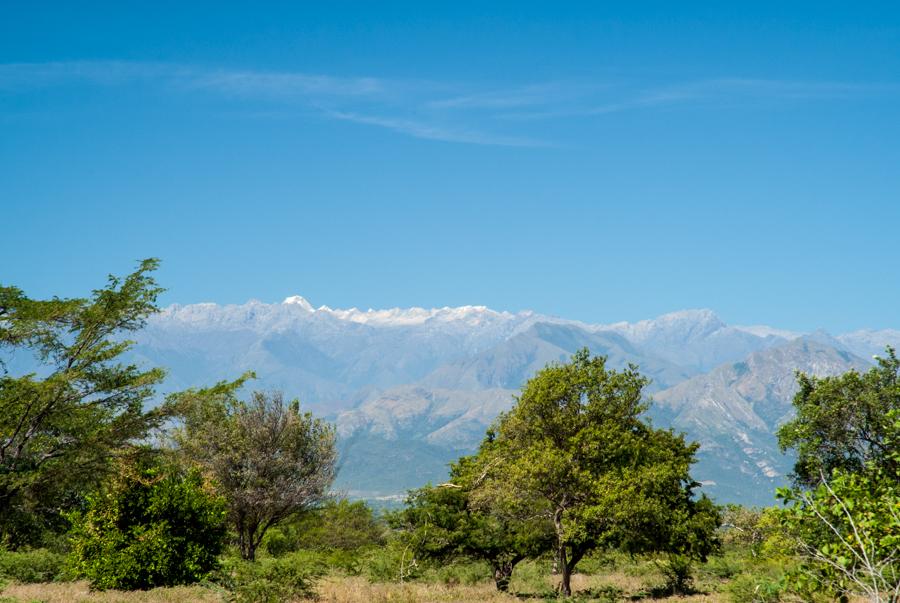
x: 420, y: 386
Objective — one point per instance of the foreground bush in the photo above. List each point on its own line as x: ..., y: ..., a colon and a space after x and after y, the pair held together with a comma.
x: 156, y: 526
x: 274, y: 580
x: 39, y: 565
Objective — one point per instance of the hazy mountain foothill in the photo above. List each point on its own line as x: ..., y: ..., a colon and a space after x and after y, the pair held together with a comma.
x: 412, y: 389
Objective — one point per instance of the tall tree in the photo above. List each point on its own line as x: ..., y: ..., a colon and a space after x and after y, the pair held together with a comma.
x: 843, y: 421
x: 61, y: 426
x: 575, y: 441
x: 269, y: 459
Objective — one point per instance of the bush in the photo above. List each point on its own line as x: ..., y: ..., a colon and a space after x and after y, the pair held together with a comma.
x: 678, y: 572
x: 275, y: 580
x: 39, y: 565
x: 156, y: 526
x: 607, y: 593
x: 391, y: 563
x: 725, y: 566
x: 755, y: 588
x: 461, y: 572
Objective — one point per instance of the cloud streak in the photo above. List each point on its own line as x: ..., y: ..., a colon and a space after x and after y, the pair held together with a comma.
x: 430, y: 131
x: 428, y: 110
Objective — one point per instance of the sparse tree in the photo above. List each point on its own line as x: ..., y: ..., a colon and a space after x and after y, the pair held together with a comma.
x: 269, y: 459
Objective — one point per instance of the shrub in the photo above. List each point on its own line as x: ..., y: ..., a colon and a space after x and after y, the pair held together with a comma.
x: 156, y: 526
x: 607, y: 593
x: 677, y: 570
x: 725, y: 566
x: 755, y: 588
x: 275, y: 580
x: 39, y: 565
x: 462, y: 572
x: 392, y: 563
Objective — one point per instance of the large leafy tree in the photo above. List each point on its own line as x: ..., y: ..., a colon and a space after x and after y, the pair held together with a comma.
x: 269, y: 459
x: 844, y: 509
x: 62, y: 425
x: 842, y: 422
x: 576, y: 444
x: 446, y: 521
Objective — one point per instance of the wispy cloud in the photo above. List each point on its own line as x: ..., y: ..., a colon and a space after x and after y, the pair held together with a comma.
x: 249, y: 83
x: 430, y: 131
x: 728, y: 89
x: 429, y: 110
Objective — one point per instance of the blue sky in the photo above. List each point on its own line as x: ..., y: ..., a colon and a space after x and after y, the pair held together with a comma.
x: 599, y: 161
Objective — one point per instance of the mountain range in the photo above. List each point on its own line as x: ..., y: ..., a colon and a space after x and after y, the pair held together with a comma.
x: 412, y: 389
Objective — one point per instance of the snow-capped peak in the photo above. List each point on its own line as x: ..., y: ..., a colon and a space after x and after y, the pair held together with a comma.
x: 299, y: 300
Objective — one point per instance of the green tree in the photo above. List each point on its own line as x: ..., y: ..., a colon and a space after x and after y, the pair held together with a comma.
x: 575, y: 443
x: 61, y: 427
x: 269, y: 459
x: 156, y: 525
x: 842, y: 422
x: 445, y: 522
x: 843, y: 513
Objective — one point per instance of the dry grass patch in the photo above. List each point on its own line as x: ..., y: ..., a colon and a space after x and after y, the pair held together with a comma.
x: 355, y: 589
x: 360, y: 590
x: 76, y: 592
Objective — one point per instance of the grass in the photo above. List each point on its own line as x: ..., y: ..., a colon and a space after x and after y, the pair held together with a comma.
x: 76, y: 592
x: 357, y: 589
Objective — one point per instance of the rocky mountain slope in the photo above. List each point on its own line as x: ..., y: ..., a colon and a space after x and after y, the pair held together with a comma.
x: 735, y: 410
x: 411, y: 389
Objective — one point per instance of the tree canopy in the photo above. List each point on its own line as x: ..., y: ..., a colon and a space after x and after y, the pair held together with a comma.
x: 576, y: 444
x: 61, y: 426
x: 843, y: 421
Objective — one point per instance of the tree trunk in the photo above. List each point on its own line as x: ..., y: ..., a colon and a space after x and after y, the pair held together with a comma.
x: 565, y: 584
x: 503, y: 572
x: 502, y: 575
x: 567, y: 565
x: 247, y: 540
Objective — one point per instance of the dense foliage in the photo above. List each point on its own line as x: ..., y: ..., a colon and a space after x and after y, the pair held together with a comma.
x: 155, y: 526
x: 843, y: 422
x: 844, y: 513
x: 446, y: 522
x: 576, y: 448
x: 61, y: 428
